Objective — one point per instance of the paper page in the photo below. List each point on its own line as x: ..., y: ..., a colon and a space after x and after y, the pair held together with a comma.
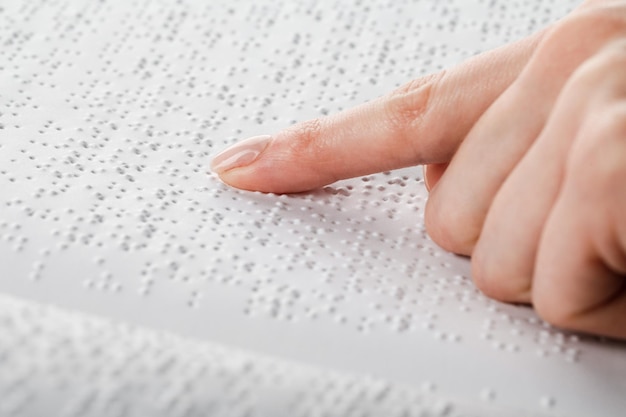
x: 109, y: 113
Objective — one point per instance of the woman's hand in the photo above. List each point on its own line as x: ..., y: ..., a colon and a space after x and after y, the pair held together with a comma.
x: 525, y: 154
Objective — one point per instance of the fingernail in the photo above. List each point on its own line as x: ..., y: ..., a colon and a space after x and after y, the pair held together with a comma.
x: 240, y: 154
x: 425, y: 175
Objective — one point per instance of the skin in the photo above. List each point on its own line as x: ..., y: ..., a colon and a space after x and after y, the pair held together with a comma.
x: 524, y: 149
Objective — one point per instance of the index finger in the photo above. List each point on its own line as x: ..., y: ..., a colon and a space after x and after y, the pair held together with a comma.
x: 422, y: 122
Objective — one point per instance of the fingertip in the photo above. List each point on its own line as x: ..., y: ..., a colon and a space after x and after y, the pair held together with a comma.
x: 239, y: 155
x: 293, y: 160
x: 248, y: 178
x: 255, y: 164
x: 277, y: 171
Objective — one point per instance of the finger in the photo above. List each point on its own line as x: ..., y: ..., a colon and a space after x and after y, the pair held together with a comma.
x: 580, y: 275
x: 574, y: 288
x: 504, y: 258
x: 422, y: 122
x: 459, y: 203
x: 433, y: 173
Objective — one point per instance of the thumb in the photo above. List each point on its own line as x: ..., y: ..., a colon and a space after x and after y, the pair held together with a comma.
x: 422, y: 122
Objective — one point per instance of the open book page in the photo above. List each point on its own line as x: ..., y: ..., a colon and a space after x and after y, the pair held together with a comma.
x: 135, y: 283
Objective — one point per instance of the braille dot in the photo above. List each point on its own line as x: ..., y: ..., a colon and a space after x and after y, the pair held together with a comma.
x: 487, y: 394
x: 547, y: 402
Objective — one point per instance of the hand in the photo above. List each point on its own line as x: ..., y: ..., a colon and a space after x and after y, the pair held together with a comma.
x: 525, y: 153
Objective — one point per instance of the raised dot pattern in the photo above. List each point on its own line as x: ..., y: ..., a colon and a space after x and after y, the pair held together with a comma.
x: 101, y: 368
x: 109, y: 113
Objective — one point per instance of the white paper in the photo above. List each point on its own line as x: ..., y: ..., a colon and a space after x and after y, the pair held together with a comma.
x: 109, y: 112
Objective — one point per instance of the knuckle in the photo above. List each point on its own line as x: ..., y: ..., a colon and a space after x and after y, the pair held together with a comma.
x: 405, y: 108
x: 417, y: 84
x: 484, y: 278
x: 402, y: 111
x: 449, y: 227
x: 596, y: 165
x: 613, y: 55
x: 496, y: 281
x: 436, y: 225
x: 306, y: 139
x: 555, y: 313
x: 605, y: 69
x: 581, y: 34
x: 602, y: 20
x: 611, y: 124
x: 590, y: 5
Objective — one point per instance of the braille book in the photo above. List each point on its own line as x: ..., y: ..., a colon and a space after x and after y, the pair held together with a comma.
x: 134, y: 283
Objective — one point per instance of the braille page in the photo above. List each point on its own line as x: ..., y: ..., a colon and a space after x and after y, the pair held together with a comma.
x: 136, y: 283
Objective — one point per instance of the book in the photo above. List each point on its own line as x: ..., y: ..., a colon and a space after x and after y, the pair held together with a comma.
x: 133, y: 282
